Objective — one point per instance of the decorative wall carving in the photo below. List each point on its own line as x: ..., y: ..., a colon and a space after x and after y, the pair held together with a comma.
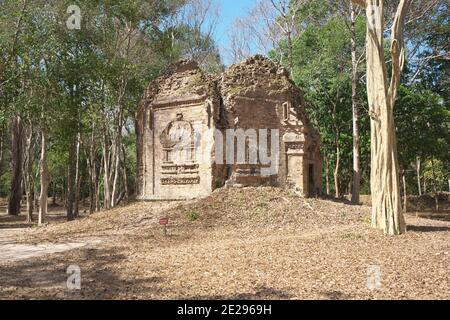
x: 180, y: 181
x: 179, y: 150
x: 295, y: 145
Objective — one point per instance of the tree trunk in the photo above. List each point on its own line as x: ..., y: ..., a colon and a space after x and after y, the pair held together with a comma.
x: 327, y: 175
x: 28, y: 177
x: 43, y: 168
x: 106, y: 185
x: 118, y: 152
x: 77, y: 177
x: 336, y: 171
x: 125, y: 175
x: 291, y: 52
x: 16, y: 162
x: 435, y: 190
x: 71, y: 183
x: 97, y: 202
x: 356, y: 170
x: 1, y: 149
x: 418, y: 169
x: 386, y: 200
x: 92, y: 173
x: 405, y: 194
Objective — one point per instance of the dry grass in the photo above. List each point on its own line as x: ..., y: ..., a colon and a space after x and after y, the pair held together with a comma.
x: 237, y: 244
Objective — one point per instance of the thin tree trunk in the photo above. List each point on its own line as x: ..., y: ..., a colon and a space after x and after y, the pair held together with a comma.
x: 125, y: 176
x: 92, y: 173
x: 327, y: 175
x: 71, y: 183
x: 97, y: 202
x: 356, y: 170
x: 405, y: 194
x: 16, y: 162
x: 28, y: 177
x: 436, y: 196
x: 1, y: 149
x: 418, y: 169
x: 77, y: 177
x: 118, y: 152
x: 291, y: 52
x: 106, y: 185
x: 43, y: 168
x: 336, y: 170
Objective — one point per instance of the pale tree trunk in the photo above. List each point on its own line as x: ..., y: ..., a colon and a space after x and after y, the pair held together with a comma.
x: 356, y: 169
x: 327, y: 175
x: 92, y: 173
x: 98, y: 182
x: 435, y: 190
x: 118, y: 152
x: 43, y: 168
x: 405, y: 194
x: 77, y: 177
x: 418, y: 169
x: 71, y: 183
x: 106, y: 185
x: 336, y: 170
x: 338, y: 148
x: 291, y: 52
x: 125, y: 175
x: 386, y: 199
x: 16, y: 164
x: 28, y: 174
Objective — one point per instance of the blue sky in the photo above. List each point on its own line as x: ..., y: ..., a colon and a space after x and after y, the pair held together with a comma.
x: 230, y: 10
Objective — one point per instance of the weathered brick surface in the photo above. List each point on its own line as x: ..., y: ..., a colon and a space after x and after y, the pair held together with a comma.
x: 256, y: 94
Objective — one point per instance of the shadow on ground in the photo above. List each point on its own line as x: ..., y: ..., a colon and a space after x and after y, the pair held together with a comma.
x: 262, y: 293
x: 47, y: 277
x: 427, y: 229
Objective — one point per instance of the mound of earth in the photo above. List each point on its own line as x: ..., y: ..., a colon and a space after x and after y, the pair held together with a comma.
x: 232, y: 209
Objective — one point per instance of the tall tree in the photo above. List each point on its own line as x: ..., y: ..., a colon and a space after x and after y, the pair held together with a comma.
x: 16, y: 164
x: 386, y: 201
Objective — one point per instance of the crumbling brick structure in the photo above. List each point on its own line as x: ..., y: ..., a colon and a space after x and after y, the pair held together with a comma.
x: 197, y: 133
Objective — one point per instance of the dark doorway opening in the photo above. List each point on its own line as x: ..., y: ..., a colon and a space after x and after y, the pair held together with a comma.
x: 311, y: 182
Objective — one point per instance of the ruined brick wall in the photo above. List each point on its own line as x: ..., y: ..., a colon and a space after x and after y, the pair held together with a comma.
x: 176, y: 106
x: 254, y: 95
x: 260, y: 95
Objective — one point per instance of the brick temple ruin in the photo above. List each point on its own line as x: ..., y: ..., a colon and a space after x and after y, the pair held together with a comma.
x: 184, y: 123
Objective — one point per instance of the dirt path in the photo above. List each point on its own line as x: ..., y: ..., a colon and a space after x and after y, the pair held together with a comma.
x: 13, y: 248
x: 10, y: 250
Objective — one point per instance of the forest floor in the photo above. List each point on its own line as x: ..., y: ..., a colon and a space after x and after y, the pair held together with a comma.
x: 237, y: 244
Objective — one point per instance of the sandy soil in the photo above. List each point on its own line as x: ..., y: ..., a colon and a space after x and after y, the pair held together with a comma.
x: 237, y: 244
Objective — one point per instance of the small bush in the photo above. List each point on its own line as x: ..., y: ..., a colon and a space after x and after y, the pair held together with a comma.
x: 193, y: 215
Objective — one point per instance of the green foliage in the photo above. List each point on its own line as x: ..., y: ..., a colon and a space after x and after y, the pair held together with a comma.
x: 322, y: 68
x: 422, y: 125
x: 87, y: 81
x: 193, y: 215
